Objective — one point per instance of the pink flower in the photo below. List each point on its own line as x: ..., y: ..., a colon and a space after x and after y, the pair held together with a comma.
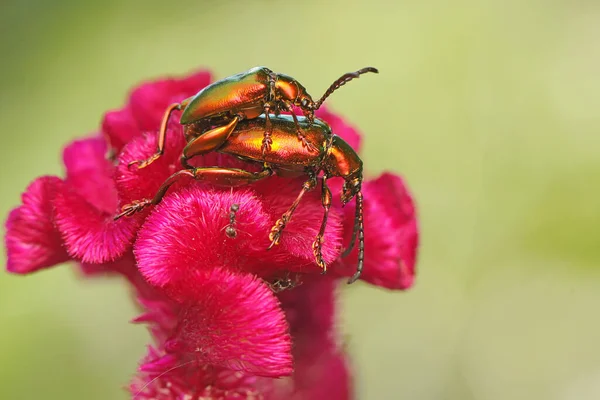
x: 171, y: 371
x: 222, y: 329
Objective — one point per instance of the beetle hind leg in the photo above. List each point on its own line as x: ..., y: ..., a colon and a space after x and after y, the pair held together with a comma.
x: 216, y: 175
x: 206, y: 142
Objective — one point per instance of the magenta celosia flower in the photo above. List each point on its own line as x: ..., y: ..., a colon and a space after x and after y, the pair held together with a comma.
x: 223, y: 325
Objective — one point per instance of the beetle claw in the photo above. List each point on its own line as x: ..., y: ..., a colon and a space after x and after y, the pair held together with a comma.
x: 318, y: 256
x: 274, y: 238
x: 266, y: 144
x: 275, y: 233
x: 273, y: 243
x: 307, y: 144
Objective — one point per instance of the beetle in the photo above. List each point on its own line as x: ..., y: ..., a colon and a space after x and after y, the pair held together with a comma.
x: 335, y: 158
x: 246, y: 95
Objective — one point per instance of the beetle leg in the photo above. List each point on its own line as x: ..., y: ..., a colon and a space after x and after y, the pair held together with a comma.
x: 267, y: 141
x: 138, y: 205
x: 359, y: 221
x: 215, y: 175
x: 161, y: 137
x: 305, y: 143
x: 285, y: 218
x: 318, y: 243
x: 206, y: 142
x: 230, y: 177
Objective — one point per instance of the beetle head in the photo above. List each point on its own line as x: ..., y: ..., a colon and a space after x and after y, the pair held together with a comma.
x: 290, y: 91
x: 351, y: 188
x: 306, y: 103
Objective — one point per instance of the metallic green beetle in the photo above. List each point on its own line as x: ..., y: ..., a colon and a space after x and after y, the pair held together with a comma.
x: 222, y: 104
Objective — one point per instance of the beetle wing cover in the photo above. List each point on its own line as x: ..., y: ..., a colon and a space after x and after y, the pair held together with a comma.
x: 231, y: 94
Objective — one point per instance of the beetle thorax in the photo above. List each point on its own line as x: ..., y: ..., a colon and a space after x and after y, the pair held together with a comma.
x: 287, y: 89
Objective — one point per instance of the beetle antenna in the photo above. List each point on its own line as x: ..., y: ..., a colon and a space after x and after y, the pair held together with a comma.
x: 342, y: 81
x: 359, y: 221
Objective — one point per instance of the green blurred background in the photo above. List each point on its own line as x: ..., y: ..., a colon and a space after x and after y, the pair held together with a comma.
x: 488, y: 108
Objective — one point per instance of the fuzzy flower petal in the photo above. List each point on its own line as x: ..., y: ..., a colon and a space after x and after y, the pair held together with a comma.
x: 118, y: 128
x: 235, y: 322
x: 321, y: 369
x: 391, y: 234
x: 87, y: 201
x: 134, y: 183
x: 166, y: 377
x: 90, y: 234
x: 147, y: 105
x: 186, y: 235
x: 310, y: 308
x: 322, y: 373
x: 90, y: 174
x: 278, y: 194
x: 149, y: 101
x: 32, y: 241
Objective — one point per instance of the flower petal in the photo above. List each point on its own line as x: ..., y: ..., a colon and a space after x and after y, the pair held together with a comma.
x: 391, y: 234
x: 124, y: 266
x: 192, y: 84
x: 186, y: 235
x: 310, y: 307
x: 147, y: 105
x: 91, y: 235
x: 167, y: 377
x: 235, y: 322
x: 321, y: 373
x: 32, y: 241
x: 90, y: 174
x: 119, y: 127
x: 321, y: 370
x: 149, y: 101
x: 134, y: 183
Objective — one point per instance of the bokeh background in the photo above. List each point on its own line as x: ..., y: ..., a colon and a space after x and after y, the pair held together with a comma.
x: 490, y: 109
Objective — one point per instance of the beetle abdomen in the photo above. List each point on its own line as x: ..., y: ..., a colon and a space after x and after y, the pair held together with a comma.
x: 230, y: 95
x: 286, y: 150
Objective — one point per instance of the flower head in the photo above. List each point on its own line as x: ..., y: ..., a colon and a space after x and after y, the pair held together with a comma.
x: 213, y: 301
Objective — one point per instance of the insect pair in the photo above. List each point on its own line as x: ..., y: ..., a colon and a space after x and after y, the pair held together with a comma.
x: 241, y: 116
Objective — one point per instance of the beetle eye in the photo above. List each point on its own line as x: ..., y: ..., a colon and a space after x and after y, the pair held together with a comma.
x: 304, y: 103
